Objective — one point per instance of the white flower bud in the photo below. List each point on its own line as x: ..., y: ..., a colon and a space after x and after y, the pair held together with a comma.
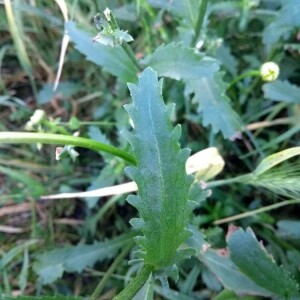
x: 269, y: 71
x: 107, y: 13
x: 37, y: 117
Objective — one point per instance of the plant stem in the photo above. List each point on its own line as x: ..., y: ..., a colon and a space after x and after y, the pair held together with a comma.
x: 251, y: 73
x: 257, y: 211
x: 124, y: 45
x: 199, y: 22
x: 239, y: 179
x: 134, y: 286
x: 131, y: 55
x: 110, y: 271
x: 59, y: 139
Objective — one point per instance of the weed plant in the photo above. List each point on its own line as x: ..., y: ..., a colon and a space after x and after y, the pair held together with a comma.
x: 164, y: 93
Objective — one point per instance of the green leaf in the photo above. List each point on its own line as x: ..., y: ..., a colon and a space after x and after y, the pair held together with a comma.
x: 113, y: 59
x: 223, y: 267
x: 146, y: 292
x: 160, y: 175
x: 34, y: 186
x: 172, y: 295
x: 179, y: 62
x: 11, y: 254
x: 187, y: 9
x: 51, y: 265
x: 286, y: 21
x: 214, y: 105
x: 282, y: 91
x: 252, y: 259
x: 65, y: 90
x: 274, y: 159
x: 289, y: 230
x: 24, y: 272
x: 58, y: 297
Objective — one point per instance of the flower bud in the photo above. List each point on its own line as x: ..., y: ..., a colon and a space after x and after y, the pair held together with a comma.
x: 269, y: 71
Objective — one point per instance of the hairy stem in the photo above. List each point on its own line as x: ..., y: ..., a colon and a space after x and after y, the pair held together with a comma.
x: 59, y: 139
x: 135, y: 285
x: 199, y: 22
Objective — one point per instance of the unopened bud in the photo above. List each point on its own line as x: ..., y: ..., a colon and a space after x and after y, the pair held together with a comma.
x: 269, y: 71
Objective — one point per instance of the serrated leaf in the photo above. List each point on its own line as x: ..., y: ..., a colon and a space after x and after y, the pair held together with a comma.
x: 51, y: 265
x: 179, y: 62
x: 214, y: 105
x: 282, y: 91
x: 283, y: 25
x: 113, y: 60
x: 253, y: 260
x: 223, y: 268
x: 224, y: 55
x: 160, y: 174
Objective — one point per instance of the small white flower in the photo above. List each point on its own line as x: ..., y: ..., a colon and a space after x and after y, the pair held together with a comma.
x: 269, y: 71
x: 107, y: 13
x: 37, y: 117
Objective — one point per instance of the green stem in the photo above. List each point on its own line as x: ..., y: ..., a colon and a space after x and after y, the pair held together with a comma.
x: 199, y: 22
x: 247, y: 178
x: 125, y: 46
x: 251, y: 73
x: 59, y: 139
x: 110, y: 271
x: 257, y: 211
x: 135, y: 285
x: 54, y: 127
x: 131, y: 55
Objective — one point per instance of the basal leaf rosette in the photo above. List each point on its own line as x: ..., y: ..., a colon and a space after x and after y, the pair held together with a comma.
x: 160, y: 175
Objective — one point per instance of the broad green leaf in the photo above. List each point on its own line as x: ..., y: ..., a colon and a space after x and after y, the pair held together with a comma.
x: 229, y: 275
x: 11, y: 254
x: 187, y: 9
x: 286, y: 21
x: 230, y: 62
x: 252, y: 259
x: 223, y: 267
x: 274, y: 159
x: 289, y: 230
x: 65, y: 90
x: 282, y: 91
x: 214, y: 105
x: 113, y: 59
x: 51, y: 265
x: 160, y: 175
x: 179, y: 62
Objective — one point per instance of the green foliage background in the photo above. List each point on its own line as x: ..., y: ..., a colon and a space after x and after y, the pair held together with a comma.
x: 81, y: 246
